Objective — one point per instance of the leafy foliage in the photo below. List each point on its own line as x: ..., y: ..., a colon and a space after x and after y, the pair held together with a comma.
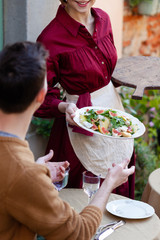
x: 134, y: 3
x: 43, y: 126
x: 147, y: 148
x: 145, y: 164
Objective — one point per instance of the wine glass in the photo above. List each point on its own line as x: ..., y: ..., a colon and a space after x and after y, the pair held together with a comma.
x: 91, y: 184
x: 61, y: 184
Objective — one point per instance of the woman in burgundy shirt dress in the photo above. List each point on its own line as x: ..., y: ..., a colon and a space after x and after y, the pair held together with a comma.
x: 82, y: 59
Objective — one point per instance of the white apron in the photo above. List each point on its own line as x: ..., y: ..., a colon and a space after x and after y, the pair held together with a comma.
x: 97, y: 153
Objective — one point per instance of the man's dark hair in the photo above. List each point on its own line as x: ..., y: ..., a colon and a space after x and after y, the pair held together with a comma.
x: 22, y: 73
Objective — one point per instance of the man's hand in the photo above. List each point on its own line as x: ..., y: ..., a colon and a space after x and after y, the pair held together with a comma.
x: 57, y: 169
x: 119, y: 174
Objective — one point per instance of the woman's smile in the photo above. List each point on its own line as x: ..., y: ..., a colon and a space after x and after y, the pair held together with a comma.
x: 82, y: 3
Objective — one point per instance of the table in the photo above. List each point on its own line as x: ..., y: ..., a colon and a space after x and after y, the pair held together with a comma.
x: 141, y: 229
x: 151, y: 192
x: 139, y: 72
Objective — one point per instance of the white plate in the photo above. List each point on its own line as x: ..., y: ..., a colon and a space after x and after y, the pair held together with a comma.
x: 131, y: 209
x: 139, y: 132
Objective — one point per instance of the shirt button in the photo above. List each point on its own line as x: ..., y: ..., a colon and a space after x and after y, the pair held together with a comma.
x: 96, y: 47
x: 102, y: 62
x: 95, y: 30
x: 105, y: 77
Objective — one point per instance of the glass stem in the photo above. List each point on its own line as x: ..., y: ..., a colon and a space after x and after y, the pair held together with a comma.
x: 89, y: 198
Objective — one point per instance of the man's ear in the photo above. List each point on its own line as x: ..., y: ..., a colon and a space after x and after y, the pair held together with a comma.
x: 41, y: 96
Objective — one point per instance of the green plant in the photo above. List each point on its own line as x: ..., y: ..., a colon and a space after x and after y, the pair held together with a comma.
x: 145, y: 164
x: 43, y: 126
x: 134, y: 3
x: 147, y: 148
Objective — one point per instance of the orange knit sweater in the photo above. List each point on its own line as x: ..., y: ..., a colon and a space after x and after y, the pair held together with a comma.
x: 30, y: 204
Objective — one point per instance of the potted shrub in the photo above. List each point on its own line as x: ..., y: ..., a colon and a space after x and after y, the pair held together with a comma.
x: 145, y: 7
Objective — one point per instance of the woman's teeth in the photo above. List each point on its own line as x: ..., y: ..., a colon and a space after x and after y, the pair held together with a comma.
x: 82, y: 3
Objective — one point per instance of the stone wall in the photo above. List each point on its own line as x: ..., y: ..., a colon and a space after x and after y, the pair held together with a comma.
x: 141, y: 34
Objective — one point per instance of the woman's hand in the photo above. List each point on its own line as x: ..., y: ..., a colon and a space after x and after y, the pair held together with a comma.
x: 69, y: 109
x: 57, y: 169
x: 70, y: 113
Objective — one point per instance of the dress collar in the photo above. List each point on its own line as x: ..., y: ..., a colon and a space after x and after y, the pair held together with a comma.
x: 69, y: 23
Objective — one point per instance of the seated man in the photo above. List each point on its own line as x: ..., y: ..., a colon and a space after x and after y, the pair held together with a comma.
x: 30, y: 204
